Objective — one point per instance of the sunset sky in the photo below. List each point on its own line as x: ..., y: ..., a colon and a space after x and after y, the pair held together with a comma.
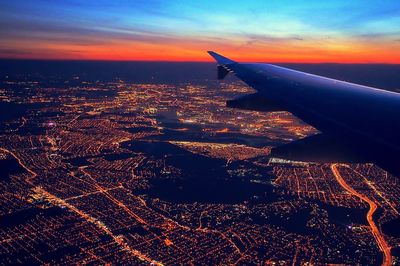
x: 358, y: 31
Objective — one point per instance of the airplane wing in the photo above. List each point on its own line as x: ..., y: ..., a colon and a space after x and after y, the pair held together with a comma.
x: 360, y: 123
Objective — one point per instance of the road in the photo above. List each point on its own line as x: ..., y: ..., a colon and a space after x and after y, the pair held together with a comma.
x: 118, y: 239
x: 383, y: 245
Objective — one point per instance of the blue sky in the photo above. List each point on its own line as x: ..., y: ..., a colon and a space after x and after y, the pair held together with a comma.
x: 310, y: 31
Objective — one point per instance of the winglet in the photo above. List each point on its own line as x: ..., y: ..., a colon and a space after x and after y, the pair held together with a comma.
x: 223, y: 64
x: 221, y: 60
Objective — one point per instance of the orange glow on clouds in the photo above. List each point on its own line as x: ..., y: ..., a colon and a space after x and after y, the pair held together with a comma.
x: 179, y: 49
x: 253, y: 31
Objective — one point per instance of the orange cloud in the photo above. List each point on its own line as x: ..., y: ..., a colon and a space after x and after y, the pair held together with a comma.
x: 180, y: 49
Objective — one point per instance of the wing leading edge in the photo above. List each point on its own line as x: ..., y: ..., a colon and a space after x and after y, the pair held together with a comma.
x: 362, y: 121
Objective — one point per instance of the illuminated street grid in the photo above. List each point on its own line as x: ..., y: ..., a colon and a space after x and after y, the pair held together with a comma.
x: 82, y: 191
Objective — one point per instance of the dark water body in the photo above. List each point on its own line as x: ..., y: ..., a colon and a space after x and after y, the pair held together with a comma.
x: 83, y: 161
x: 8, y: 167
x: 153, y: 148
x: 392, y: 228
x: 203, y: 179
x: 295, y: 223
x: 346, y: 216
x: 118, y: 156
x: 396, y: 251
x: 207, y: 189
x: 31, y: 129
x: 52, y: 113
x: 140, y: 129
x: 13, y: 111
x: 23, y: 216
x: 78, y: 161
x: 55, y: 72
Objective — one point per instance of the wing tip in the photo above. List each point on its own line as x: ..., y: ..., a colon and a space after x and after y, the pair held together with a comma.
x: 222, y: 60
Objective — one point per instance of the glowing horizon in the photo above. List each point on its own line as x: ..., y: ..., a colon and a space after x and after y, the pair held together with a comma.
x: 269, y: 31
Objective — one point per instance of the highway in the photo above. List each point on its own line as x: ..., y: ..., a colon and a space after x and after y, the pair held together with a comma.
x: 383, y: 245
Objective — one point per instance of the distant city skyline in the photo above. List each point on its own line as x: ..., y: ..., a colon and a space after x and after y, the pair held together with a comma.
x: 270, y: 31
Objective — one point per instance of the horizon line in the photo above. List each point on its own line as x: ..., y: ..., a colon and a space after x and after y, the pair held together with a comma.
x: 187, y: 61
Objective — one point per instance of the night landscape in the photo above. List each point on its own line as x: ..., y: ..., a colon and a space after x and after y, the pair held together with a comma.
x: 106, y: 159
